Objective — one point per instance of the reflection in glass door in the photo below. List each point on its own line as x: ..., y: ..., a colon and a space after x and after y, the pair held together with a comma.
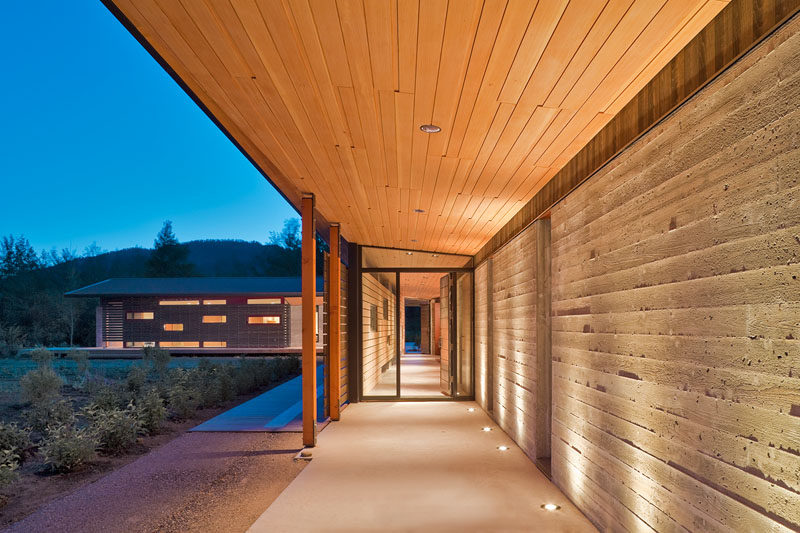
x: 378, y: 337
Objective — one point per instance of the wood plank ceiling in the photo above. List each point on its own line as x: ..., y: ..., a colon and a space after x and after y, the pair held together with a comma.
x: 328, y: 96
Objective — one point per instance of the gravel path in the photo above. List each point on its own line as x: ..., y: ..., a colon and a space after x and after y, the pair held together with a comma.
x: 219, y: 482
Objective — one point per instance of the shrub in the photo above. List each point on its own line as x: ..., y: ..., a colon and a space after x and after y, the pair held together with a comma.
x: 116, y: 429
x: 137, y: 377
x: 8, y: 467
x: 150, y: 411
x: 183, y: 397
x: 81, y: 359
x: 41, y: 356
x: 14, y: 439
x: 158, y: 359
x: 53, y: 413
x: 66, y: 448
x: 12, y: 338
x: 40, y: 385
x: 108, y: 396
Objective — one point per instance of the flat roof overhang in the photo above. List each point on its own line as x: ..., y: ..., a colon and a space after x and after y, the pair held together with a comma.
x: 328, y: 98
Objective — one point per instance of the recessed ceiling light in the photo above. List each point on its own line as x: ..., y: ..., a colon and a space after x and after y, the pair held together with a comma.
x: 413, y: 240
x: 550, y: 507
x: 409, y: 253
x: 430, y: 128
x: 434, y: 255
x: 419, y: 210
x: 487, y: 428
x: 502, y: 448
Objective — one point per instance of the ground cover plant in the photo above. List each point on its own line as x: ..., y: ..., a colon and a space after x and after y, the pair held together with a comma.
x: 60, y: 415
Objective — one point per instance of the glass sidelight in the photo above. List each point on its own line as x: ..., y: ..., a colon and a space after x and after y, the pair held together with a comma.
x: 379, y: 333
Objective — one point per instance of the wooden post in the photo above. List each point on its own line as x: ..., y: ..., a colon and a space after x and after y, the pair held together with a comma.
x: 309, y: 295
x: 334, y: 324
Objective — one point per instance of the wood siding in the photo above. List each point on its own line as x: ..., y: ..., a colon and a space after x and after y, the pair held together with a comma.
x: 483, y: 339
x: 345, y: 348
x: 444, y: 317
x: 676, y: 314
x: 378, y: 347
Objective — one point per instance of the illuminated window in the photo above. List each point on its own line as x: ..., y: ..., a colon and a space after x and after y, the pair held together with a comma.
x: 373, y: 317
x: 215, y: 344
x: 147, y: 315
x: 179, y: 344
x: 215, y: 302
x: 214, y: 319
x: 179, y: 302
x: 264, y: 320
x: 385, y: 309
x: 268, y: 301
x: 173, y: 327
x: 139, y: 344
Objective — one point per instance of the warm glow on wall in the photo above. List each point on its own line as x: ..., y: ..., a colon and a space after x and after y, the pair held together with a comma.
x: 146, y: 315
x: 214, y: 319
x: 139, y: 344
x: 173, y: 327
x: 265, y: 301
x: 179, y: 344
x: 263, y: 320
x: 215, y: 302
x: 179, y: 302
x: 215, y: 344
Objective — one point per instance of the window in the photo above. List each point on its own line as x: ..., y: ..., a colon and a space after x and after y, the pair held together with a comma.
x: 179, y: 302
x: 215, y: 302
x: 267, y: 301
x: 145, y: 315
x: 214, y: 319
x: 215, y: 344
x: 173, y: 327
x: 373, y: 317
x: 385, y: 309
x: 264, y: 319
x: 179, y: 344
x: 139, y: 344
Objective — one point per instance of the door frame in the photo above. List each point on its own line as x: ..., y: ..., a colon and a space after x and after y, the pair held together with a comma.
x: 358, y: 357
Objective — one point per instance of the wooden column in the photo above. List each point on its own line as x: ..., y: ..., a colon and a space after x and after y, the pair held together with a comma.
x: 334, y: 324
x: 309, y: 294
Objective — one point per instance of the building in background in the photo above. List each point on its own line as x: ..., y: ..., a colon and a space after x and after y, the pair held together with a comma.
x: 199, y: 314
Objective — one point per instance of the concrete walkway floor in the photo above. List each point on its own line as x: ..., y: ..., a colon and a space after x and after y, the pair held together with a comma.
x: 418, y: 466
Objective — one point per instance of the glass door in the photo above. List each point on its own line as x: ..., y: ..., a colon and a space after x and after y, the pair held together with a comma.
x: 416, y: 334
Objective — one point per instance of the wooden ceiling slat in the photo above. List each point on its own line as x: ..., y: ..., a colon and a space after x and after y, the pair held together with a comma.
x: 327, y: 96
x: 488, y: 28
x: 540, y: 29
x: 512, y: 30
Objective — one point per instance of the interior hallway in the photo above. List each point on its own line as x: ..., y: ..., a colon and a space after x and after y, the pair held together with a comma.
x: 419, y: 378
x: 418, y: 466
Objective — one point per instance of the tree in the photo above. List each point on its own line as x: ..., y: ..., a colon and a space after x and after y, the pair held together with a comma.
x: 169, y: 258
x: 16, y: 256
x: 93, y: 250
x: 289, y: 237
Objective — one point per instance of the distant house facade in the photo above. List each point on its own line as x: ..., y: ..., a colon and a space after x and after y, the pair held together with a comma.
x: 199, y: 313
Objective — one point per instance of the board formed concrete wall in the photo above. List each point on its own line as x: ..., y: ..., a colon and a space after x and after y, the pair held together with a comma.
x: 676, y: 314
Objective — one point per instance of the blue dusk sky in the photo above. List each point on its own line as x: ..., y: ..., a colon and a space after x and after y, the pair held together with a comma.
x: 98, y: 143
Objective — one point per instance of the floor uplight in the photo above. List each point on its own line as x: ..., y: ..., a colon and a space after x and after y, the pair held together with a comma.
x: 486, y: 429
x: 502, y: 448
x: 550, y: 507
x: 471, y: 409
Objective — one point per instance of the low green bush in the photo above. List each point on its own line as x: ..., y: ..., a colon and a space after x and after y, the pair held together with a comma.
x: 183, y: 397
x: 41, y: 356
x: 150, y: 411
x: 9, y: 462
x: 109, y: 396
x: 81, y: 359
x: 158, y: 359
x: 12, y: 338
x: 66, y: 448
x: 136, y: 379
x: 57, y: 412
x: 14, y: 439
x: 40, y: 385
x: 116, y: 429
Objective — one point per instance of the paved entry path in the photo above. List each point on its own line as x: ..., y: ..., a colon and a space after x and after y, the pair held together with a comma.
x: 278, y: 409
x: 418, y: 466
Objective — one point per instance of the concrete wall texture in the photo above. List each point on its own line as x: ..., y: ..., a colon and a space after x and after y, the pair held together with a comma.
x: 675, y: 316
